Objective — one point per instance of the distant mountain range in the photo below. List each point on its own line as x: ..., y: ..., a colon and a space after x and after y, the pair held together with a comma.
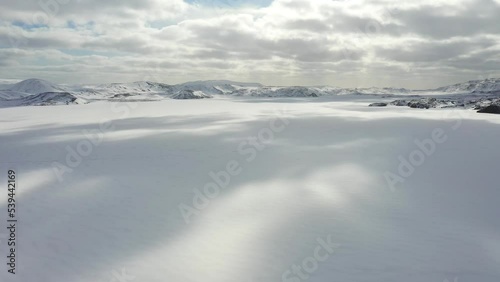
x: 42, y: 92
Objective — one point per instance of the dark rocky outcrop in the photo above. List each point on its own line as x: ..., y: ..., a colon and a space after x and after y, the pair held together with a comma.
x: 424, y: 103
x: 190, y: 94
x: 378, y: 105
x: 399, y: 103
x: 491, y: 109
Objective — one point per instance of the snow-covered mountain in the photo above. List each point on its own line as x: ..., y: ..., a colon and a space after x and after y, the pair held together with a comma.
x: 315, y: 91
x: 115, y: 90
x: 9, y: 94
x: 51, y: 98
x: 38, y: 92
x: 190, y: 94
x: 382, y: 91
x: 216, y: 87
x: 134, y: 87
x: 44, y: 99
x: 36, y: 86
x: 151, y: 91
x: 474, y: 86
x: 294, y: 91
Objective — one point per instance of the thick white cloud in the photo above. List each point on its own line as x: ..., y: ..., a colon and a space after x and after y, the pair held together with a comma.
x: 354, y: 43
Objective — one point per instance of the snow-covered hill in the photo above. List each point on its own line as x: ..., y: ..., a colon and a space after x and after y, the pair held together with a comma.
x: 152, y: 91
x: 113, y: 90
x: 190, y: 94
x: 473, y: 86
x: 216, y: 87
x: 9, y: 94
x: 315, y: 91
x: 36, y: 86
x: 134, y: 87
x: 34, y: 92
x: 52, y: 98
x: 44, y: 99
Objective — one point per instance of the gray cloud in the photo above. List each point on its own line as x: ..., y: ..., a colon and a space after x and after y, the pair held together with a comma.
x: 433, y: 51
x: 485, y: 60
x: 345, y: 43
x: 472, y: 18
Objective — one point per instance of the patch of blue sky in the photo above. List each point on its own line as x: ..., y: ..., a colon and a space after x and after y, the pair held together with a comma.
x: 73, y: 25
x: 28, y: 26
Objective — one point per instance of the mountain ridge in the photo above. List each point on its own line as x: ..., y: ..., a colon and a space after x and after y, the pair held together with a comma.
x: 151, y: 91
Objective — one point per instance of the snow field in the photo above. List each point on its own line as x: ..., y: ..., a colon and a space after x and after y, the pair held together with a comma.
x: 116, y: 215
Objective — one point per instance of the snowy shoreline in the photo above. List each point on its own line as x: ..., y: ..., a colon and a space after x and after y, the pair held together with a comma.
x: 36, y: 92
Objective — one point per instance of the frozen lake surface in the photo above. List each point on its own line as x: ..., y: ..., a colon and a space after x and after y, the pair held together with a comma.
x: 252, y: 189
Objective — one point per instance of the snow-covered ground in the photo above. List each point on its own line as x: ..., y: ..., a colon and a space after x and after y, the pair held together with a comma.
x: 308, y: 189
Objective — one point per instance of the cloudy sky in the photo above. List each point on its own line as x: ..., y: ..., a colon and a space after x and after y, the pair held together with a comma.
x: 351, y: 43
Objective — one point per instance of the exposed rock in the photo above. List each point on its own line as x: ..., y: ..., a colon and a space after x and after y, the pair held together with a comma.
x: 51, y: 98
x: 122, y: 95
x: 378, y: 105
x: 295, y: 91
x: 484, y: 103
x: 190, y: 94
x: 399, y: 103
x: 492, y: 109
x: 424, y: 103
x: 427, y: 103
